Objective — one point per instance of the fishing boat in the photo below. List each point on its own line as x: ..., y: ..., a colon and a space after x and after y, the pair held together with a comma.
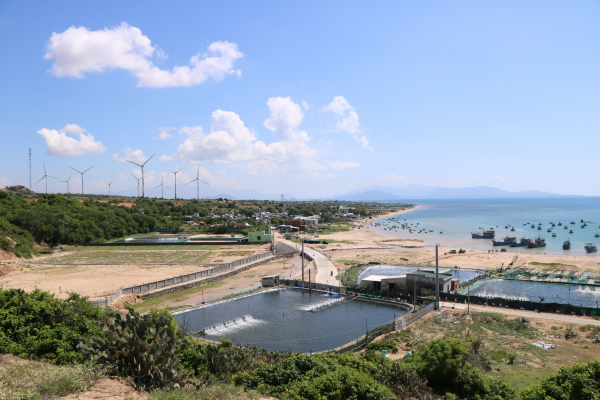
x: 590, y: 247
x: 570, y: 230
x: 597, y: 235
x: 567, y: 245
x: 560, y: 224
x: 522, y: 243
x: 572, y: 222
x: 549, y: 230
x: 583, y: 226
x: 532, y: 225
x: 485, y: 235
x: 566, y: 227
x: 506, y: 242
x: 553, y: 234
x: 539, y: 242
x: 539, y: 228
x: 513, y: 229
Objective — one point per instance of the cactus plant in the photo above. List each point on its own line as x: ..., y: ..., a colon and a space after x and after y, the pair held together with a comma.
x: 142, y: 347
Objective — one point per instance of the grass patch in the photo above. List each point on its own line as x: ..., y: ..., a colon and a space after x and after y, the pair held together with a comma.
x: 352, y: 273
x: 521, y: 378
x: 38, y: 380
x: 212, y: 392
x: 555, y: 265
x: 181, y: 295
x: 349, y: 261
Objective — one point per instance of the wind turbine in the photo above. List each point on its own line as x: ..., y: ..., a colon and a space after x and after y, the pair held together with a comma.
x: 82, y: 175
x: 175, y: 173
x: 198, y: 180
x: 109, y: 186
x: 162, y: 185
x: 46, y: 176
x: 68, y: 184
x: 142, y: 167
x: 138, y: 179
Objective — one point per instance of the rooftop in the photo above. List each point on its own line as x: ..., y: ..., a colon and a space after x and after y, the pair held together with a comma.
x: 379, y: 278
x: 429, y: 274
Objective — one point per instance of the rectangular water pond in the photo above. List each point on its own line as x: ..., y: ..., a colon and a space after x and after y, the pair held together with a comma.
x: 281, y: 320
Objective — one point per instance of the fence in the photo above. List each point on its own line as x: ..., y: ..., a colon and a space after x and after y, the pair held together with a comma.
x: 555, y: 308
x: 398, y: 324
x: 312, y: 285
x: 146, y: 287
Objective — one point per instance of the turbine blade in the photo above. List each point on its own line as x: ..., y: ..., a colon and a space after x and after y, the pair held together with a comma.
x: 113, y: 181
x: 75, y: 170
x: 134, y: 177
x: 193, y: 181
x: 51, y: 177
x: 45, y: 173
x: 203, y: 182
x: 88, y: 169
x: 198, y: 174
x: 149, y: 159
x: 41, y: 179
x: 69, y: 177
x: 134, y: 163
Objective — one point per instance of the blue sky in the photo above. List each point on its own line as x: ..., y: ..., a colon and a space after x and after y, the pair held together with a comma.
x: 304, y: 98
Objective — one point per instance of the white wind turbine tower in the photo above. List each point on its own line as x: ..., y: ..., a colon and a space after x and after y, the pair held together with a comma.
x: 109, y: 186
x: 82, y: 175
x: 198, y: 180
x: 68, y: 184
x: 142, y: 167
x: 175, y: 173
x: 138, y: 180
x: 46, y: 176
x: 162, y: 185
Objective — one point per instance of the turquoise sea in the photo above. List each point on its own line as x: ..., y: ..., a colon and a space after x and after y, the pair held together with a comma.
x: 458, y: 218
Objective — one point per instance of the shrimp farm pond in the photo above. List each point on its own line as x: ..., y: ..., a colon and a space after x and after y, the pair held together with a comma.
x: 285, y: 319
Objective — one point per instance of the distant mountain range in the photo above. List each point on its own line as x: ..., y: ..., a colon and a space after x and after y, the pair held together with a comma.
x: 386, y: 193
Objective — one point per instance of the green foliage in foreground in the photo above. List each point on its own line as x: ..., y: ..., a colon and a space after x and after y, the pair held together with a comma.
x: 389, y: 345
x: 39, y: 326
x: 23, y: 241
x: 581, y: 382
x: 141, y: 347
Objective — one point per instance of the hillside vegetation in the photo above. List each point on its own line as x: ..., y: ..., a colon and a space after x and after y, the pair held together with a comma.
x: 153, y: 354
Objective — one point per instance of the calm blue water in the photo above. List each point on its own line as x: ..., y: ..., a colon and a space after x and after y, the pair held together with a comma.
x: 458, y: 218
x: 532, y: 291
x: 280, y: 320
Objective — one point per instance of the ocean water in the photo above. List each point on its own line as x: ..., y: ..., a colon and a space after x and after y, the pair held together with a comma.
x: 458, y: 218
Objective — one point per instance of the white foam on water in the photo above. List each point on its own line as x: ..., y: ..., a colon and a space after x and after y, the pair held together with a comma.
x: 308, y: 307
x: 500, y: 295
x: 588, y: 290
x: 232, y: 326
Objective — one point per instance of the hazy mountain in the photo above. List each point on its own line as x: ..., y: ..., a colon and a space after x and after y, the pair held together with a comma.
x: 434, y: 192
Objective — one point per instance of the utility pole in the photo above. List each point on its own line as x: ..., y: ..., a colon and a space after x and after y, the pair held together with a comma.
x: 302, y: 255
x: 469, y: 300
x: 436, y: 306
x: 29, y: 171
x: 309, y: 286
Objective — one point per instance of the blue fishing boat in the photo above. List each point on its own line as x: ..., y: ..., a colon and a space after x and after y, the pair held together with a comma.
x: 567, y: 245
x: 484, y: 235
x: 522, y: 243
x: 590, y: 248
x: 506, y: 242
x: 539, y: 242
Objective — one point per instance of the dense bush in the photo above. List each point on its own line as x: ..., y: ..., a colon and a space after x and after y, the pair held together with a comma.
x: 448, y: 366
x: 383, y: 345
x: 143, y: 347
x: 37, y: 325
x: 581, y: 382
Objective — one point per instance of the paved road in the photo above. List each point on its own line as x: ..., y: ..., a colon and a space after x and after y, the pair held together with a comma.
x: 522, y: 313
x: 325, y: 267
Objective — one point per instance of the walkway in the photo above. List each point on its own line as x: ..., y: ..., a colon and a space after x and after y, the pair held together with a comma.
x: 325, y: 267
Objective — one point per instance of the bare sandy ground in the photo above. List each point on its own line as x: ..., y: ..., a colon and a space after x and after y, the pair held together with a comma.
x: 100, y: 280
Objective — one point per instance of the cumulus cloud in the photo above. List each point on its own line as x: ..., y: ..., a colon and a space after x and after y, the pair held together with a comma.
x: 5, y: 181
x: 164, y: 133
x: 136, y: 156
x: 78, y: 51
x: 70, y: 140
x: 347, y: 119
x: 230, y: 141
x: 343, y: 164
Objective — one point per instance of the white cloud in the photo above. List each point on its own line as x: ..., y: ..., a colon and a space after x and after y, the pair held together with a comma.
x: 343, y: 164
x: 347, y: 119
x: 136, y: 156
x: 363, y: 142
x: 285, y: 118
x: 5, y: 181
x: 59, y: 143
x: 230, y: 141
x: 253, y: 173
x: 165, y: 157
x: 77, y: 51
x: 164, y: 133
x: 305, y: 105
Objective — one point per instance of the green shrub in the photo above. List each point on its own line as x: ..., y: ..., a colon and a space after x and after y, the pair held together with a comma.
x: 383, y: 345
x: 140, y: 347
x: 581, y: 382
x: 37, y: 325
